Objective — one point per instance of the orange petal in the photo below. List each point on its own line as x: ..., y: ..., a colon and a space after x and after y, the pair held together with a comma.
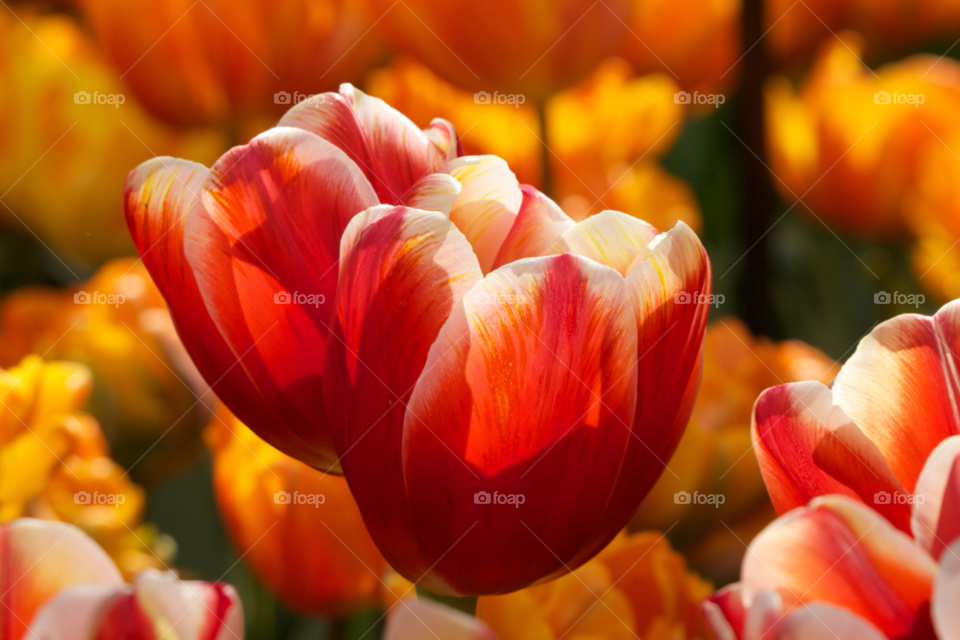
x: 901, y: 388
x: 536, y: 230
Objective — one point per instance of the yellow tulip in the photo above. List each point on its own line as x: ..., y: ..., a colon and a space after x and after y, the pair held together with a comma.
x: 64, y: 154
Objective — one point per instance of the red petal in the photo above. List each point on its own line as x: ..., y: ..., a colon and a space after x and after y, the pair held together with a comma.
x: 536, y: 230
x: 527, y: 391
x: 724, y: 612
x: 935, y: 522
x: 946, y: 594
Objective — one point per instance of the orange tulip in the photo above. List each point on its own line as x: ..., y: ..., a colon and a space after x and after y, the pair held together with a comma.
x: 848, y: 144
x: 315, y: 555
x: 523, y: 47
x: 223, y: 61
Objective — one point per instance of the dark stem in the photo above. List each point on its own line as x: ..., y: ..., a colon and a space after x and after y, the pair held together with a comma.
x: 467, y: 604
x: 546, y: 175
x: 757, y: 193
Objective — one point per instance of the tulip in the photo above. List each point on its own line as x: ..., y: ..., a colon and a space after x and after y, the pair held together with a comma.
x: 298, y: 529
x: 155, y: 605
x: 507, y: 46
x: 56, y: 131
x: 225, y: 62
x: 37, y: 560
x: 849, y: 144
x: 423, y: 619
x: 115, y: 324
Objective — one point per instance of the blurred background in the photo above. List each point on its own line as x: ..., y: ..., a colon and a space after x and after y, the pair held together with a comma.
x: 813, y: 145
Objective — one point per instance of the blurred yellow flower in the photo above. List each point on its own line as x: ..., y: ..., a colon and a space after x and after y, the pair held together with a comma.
x: 54, y: 464
x: 225, y: 61
x: 69, y: 134
x: 715, y: 455
x: 117, y: 325
x: 637, y: 587
x: 299, y: 529
x: 851, y: 138
x: 697, y: 42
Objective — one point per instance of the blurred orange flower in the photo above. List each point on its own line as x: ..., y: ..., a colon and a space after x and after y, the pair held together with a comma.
x: 530, y: 47
x: 848, y: 143
x: 145, y: 390
x: 301, y: 530
x: 223, y: 61
x: 697, y: 42
x: 54, y: 464
x: 637, y: 587
x: 63, y: 156
x: 715, y: 455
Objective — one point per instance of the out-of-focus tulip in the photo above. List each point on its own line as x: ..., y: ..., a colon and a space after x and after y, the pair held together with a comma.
x: 794, y: 30
x: 715, y: 454
x: 57, y: 128
x: 54, y: 464
x: 156, y: 605
x: 299, y: 529
x: 423, y: 619
x: 219, y: 62
x: 636, y: 587
x: 697, y: 42
x: 507, y: 46
x: 848, y: 144
x: 37, y: 560
x: 116, y: 324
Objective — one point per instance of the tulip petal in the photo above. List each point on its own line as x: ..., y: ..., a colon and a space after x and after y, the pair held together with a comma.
x: 528, y: 391
x: 270, y: 231
x: 808, y: 447
x: 434, y: 192
x: 443, y: 134
x: 935, y: 522
x: 724, y: 612
x: 537, y: 229
x: 402, y: 271
x: 946, y: 594
x: 611, y: 238
x: 426, y: 620
x: 764, y: 613
x: 159, y: 197
x: 820, y: 620
x: 37, y: 560
x: 76, y: 613
x: 488, y: 204
x: 841, y: 552
x: 904, y: 374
